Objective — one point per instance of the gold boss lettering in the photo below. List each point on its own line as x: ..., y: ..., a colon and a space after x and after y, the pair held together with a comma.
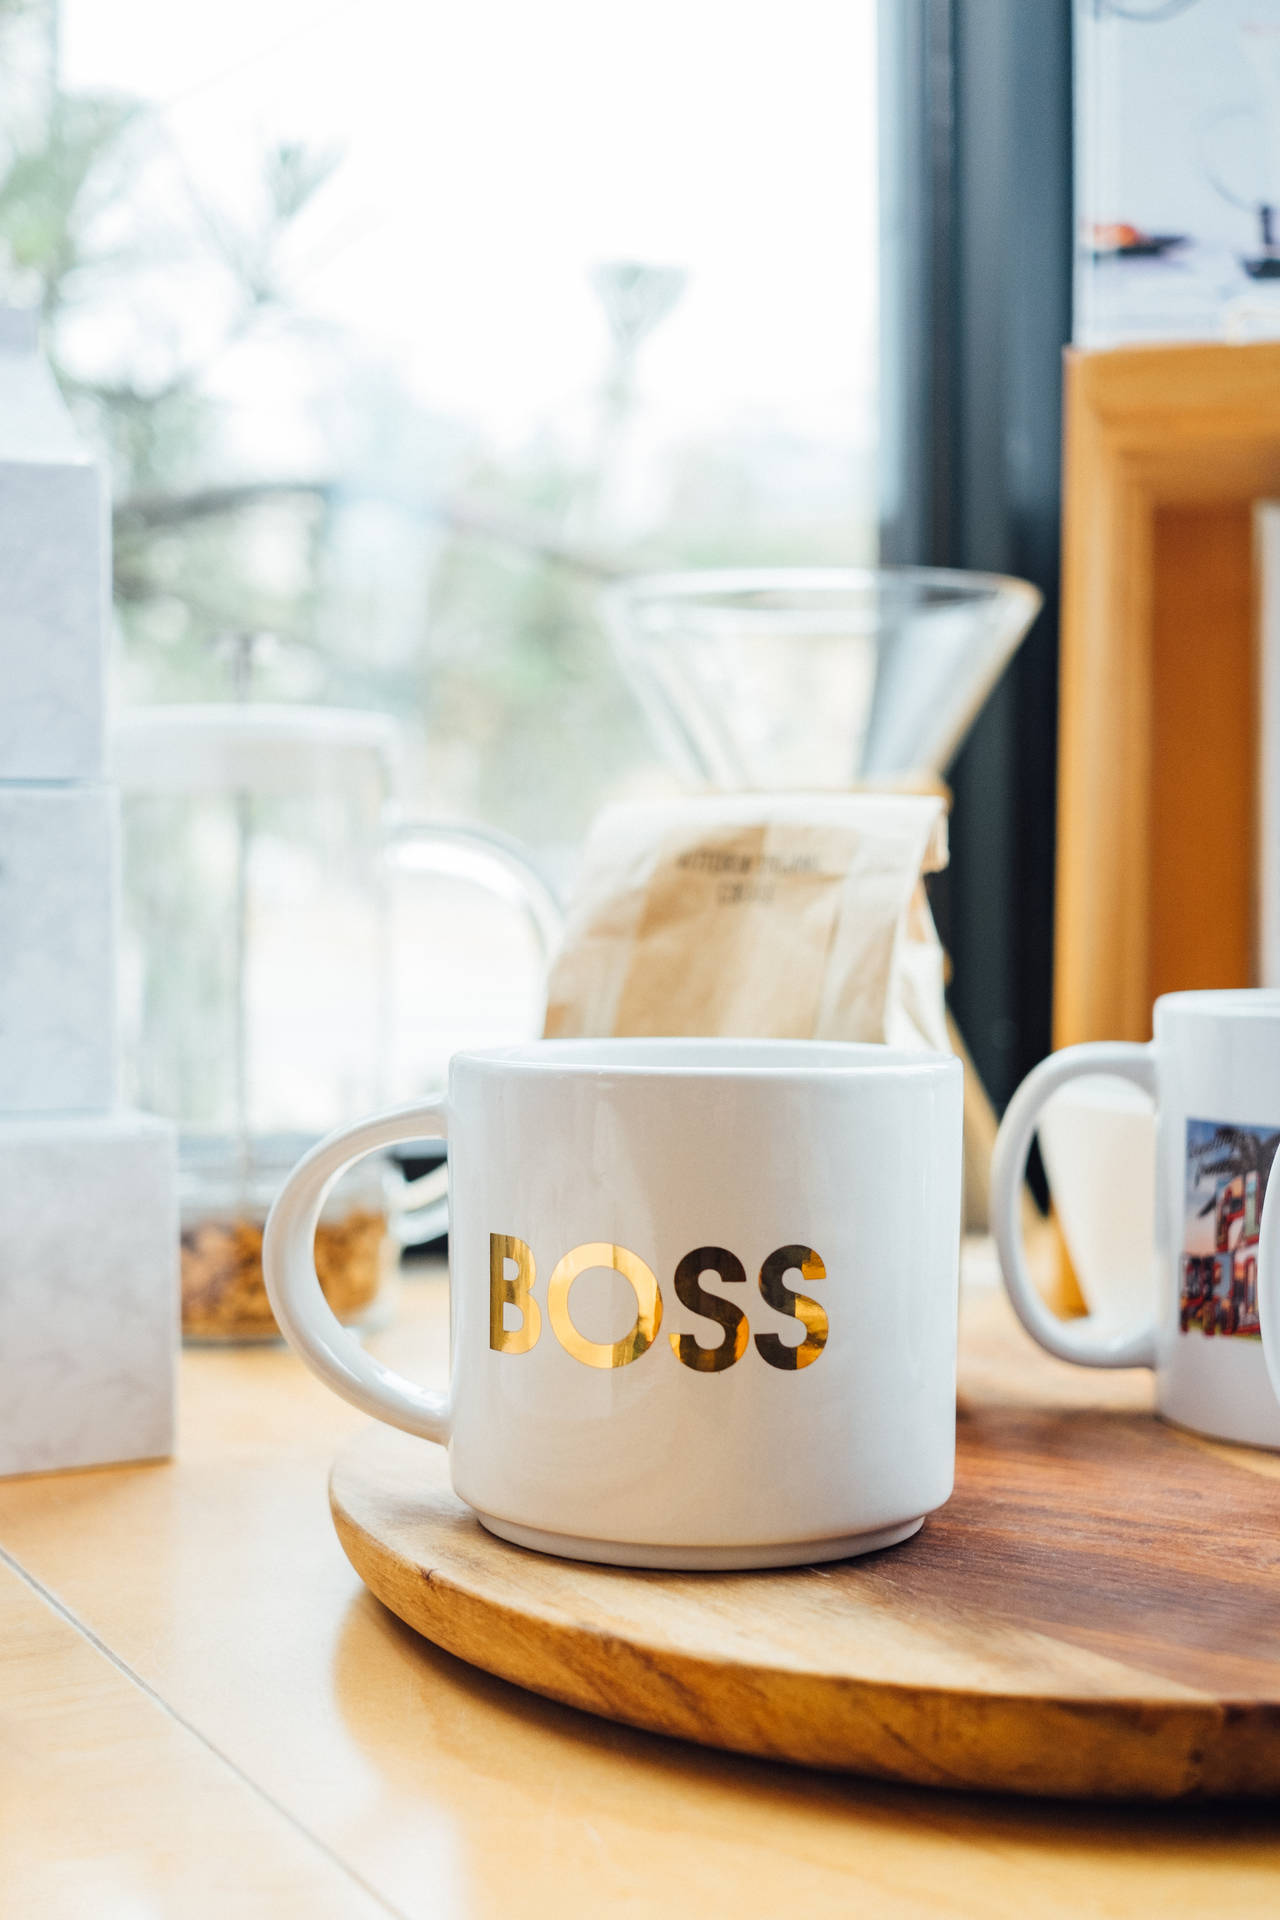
x: 515, y: 1289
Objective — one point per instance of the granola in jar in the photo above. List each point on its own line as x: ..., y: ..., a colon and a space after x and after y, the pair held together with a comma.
x: 224, y: 1295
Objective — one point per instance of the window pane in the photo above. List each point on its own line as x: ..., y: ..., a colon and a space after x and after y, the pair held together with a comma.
x: 408, y: 324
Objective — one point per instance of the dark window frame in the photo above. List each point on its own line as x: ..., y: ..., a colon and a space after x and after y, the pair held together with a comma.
x: 977, y: 245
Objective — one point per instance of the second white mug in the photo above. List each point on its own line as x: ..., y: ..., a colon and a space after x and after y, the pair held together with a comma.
x: 1213, y: 1069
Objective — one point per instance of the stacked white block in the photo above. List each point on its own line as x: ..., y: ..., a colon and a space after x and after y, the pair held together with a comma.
x: 53, y: 575
x: 88, y: 1293
x: 88, y: 1206
x: 57, y: 948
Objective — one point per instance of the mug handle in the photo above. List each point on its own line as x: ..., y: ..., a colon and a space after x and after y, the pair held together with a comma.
x: 1269, y: 1277
x: 1077, y: 1340
x: 305, y: 1317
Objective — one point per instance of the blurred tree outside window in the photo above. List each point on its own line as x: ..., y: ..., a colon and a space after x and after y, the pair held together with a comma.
x: 405, y: 326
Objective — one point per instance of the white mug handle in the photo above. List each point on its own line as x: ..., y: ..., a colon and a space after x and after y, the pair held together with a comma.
x: 1269, y: 1277
x: 305, y: 1317
x: 1078, y: 1340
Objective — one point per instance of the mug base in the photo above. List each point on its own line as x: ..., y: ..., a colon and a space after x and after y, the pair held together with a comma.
x: 1227, y: 1432
x: 620, y: 1553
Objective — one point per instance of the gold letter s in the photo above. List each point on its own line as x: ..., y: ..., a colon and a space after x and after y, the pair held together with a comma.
x: 516, y: 1291
x: 692, y: 1294
x: 810, y: 1315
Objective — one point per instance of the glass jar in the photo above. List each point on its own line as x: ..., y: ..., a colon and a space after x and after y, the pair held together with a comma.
x: 261, y: 845
x: 223, y: 1214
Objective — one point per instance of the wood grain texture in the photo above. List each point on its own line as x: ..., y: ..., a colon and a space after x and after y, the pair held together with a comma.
x: 1165, y: 450
x: 217, y: 1579
x: 1093, y: 1615
x: 110, y: 1806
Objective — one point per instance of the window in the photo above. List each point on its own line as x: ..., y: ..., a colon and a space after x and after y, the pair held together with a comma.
x: 406, y: 325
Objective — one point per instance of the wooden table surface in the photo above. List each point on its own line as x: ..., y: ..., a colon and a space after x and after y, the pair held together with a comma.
x: 203, y: 1713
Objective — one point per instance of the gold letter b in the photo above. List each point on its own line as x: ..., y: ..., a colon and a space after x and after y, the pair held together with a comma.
x: 515, y: 1290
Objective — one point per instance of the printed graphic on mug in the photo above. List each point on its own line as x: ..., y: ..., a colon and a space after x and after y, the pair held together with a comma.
x: 514, y: 1289
x: 1226, y: 1183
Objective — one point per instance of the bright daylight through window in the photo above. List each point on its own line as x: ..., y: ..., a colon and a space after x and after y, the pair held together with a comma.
x: 417, y: 322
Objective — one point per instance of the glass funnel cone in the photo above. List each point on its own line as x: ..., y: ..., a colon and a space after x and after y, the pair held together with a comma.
x: 792, y: 678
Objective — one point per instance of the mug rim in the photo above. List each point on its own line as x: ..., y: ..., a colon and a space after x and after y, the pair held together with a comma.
x: 1250, y: 1003
x: 710, y: 1057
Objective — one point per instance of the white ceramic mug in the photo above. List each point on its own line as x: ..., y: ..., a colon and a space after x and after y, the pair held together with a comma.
x: 1213, y: 1069
x: 703, y: 1295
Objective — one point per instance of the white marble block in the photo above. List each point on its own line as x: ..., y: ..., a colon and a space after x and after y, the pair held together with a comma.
x: 88, y: 1290
x: 57, y: 948
x: 54, y: 548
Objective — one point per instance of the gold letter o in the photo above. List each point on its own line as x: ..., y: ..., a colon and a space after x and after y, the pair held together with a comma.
x: 596, y: 1353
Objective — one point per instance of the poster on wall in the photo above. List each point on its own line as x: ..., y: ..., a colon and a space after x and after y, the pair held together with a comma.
x: 1177, y: 171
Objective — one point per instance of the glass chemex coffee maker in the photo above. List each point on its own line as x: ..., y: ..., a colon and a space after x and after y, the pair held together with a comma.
x: 816, y: 677
x: 263, y: 850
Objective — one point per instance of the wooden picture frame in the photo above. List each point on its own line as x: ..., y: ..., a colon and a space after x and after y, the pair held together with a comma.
x: 1166, y: 450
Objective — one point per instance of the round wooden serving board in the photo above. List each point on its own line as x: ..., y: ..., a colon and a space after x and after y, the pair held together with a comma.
x: 1095, y: 1613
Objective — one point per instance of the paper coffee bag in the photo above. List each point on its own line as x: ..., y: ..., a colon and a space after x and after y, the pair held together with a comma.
x: 796, y: 916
